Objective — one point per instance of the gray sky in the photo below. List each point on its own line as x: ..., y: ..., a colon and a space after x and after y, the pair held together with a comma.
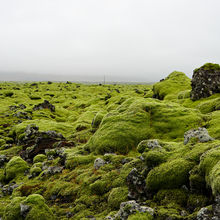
x: 126, y: 40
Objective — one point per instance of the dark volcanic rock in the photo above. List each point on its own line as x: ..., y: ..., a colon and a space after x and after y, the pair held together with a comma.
x: 35, y: 142
x: 205, y: 81
x: 131, y: 207
x: 136, y: 185
x: 45, y: 105
x: 3, y: 159
x: 8, y: 189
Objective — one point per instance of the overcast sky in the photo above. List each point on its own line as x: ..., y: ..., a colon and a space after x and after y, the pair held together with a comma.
x: 126, y: 40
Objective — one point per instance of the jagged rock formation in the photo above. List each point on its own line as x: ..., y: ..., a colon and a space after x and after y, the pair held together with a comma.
x: 45, y: 105
x: 205, y: 81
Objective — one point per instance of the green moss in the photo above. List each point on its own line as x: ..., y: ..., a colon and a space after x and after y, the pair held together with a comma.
x: 76, y: 160
x: 136, y: 120
x: 173, y: 197
x: 172, y: 174
x: 154, y: 158
x: 35, y: 171
x: 39, y: 210
x: 209, y: 66
x: 117, y: 196
x: 97, y: 119
x: 209, y: 105
x: 213, y: 126
x: 99, y: 187
x: 196, y: 201
x: 12, y: 211
x: 184, y: 94
x: 170, y: 88
x: 214, y: 179
x: 208, y: 160
x: 15, y: 167
x: 39, y: 158
x: 140, y: 216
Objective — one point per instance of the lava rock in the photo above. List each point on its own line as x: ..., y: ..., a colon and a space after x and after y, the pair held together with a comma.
x: 99, y: 163
x: 8, y: 189
x: 45, y: 105
x: 136, y: 185
x: 131, y: 207
x: 3, y: 160
x: 201, y: 134
x: 24, y: 209
x: 22, y: 115
x: 205, y: 81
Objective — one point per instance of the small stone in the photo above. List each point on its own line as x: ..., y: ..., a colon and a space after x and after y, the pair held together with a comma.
x: 24, y: 209
x: 98, y: 163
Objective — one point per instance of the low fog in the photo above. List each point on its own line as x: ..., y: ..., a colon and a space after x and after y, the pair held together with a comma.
x: 123, y: 40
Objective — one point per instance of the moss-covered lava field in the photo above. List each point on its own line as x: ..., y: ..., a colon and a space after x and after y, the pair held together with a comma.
x: 82, y: 151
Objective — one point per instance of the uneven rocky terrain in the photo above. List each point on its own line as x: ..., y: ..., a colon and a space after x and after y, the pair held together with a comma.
x: 136, y: 152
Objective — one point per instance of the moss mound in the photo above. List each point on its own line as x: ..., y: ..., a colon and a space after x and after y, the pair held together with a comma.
x: 171, y: 86
x: 15, y: 168
x: 37, y: 209
x: 169, y: 175
x: 136, y: 120
x: 117, y: 196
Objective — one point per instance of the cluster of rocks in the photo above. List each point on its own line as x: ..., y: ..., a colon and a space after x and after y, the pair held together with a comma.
x: 45, y: 105
x: 8, y: 189
x: 129, y: 208
x: 52, y: 170
x: 16, y: 107
x: 201, y: 134
x: 151, y: 144
x: 36, y: 142
x: 3, y: 160
x: 210, y: 213
x: 22, y: 115
x: 205, y: 81
x: 136, y: 185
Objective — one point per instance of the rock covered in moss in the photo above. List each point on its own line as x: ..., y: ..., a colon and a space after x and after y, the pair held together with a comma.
x: 99, y: 162
x: 169, y: 175
x: 31, y: 208
x: 140, y: 119
x: 205, y: 81
x: 148, y: 144
x: 45, y: 105
x: 201, y: 134
x: 39, y: 158
x: 3, y: 160
x: 210, y: 168
x: 136, y: 185
x: 15, y: 167
x: 36, y: 142
x: 131, y: 207
x: 170, y: 87
x: 117, y: 196
x: 8, y: 189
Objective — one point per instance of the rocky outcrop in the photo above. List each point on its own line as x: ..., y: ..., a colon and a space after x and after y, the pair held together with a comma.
x: 201, y: 134
x: 136, y: 185
x: 99, y: 163
x: 205, y: 81
x: 36, y: 142
x: 45, y: 105
x: 131, y: 207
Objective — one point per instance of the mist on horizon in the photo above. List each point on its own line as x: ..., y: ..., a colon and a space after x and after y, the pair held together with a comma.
x: 123, y: 40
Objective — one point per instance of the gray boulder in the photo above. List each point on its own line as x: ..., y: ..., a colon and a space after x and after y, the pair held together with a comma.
x: 99, y: 163
x: 131, y: 207
x: 201, y: 134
